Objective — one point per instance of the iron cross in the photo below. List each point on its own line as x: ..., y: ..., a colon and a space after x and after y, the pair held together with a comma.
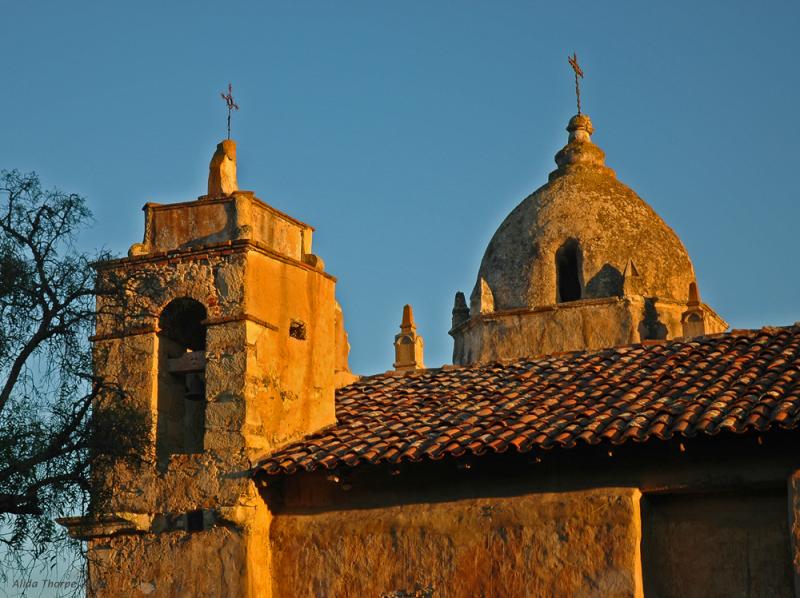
x: 234, y: 106
x: 573, y: 62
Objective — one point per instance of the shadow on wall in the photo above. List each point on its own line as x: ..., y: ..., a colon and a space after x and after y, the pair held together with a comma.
x: 227, y: 232
x: 607, y: 282
x: 651, y: 328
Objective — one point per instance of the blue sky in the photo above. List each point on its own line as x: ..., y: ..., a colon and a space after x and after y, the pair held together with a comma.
x: 405, y: 132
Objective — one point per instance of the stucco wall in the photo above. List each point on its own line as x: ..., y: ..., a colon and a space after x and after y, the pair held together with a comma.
x: 549, y: 544
x: 176, y: 565
x: 290, y: 381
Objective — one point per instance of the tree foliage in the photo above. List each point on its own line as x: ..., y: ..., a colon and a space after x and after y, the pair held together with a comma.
x: 48, y: 437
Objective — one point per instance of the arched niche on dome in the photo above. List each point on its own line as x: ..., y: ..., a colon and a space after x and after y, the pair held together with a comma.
x: 569, y: 262
x: 181, y: 401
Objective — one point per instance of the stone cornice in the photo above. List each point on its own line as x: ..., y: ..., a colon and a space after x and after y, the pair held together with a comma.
x: 206, y: 251
x: 522, y: 311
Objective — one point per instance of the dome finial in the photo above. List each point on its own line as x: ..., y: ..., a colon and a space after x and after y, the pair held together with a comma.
x: 580, y: 128
x: 580, y: 153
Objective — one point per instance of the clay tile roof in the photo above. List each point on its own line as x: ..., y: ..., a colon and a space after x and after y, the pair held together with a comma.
x: 746, y: 380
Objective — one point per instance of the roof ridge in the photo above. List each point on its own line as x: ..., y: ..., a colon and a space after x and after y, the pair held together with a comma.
x: 738, y: 332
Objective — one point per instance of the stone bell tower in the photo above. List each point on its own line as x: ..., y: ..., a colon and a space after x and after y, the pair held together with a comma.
x: 228, y: 341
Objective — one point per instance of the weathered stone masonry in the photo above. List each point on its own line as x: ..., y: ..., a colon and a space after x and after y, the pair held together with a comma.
x: 271, y: 348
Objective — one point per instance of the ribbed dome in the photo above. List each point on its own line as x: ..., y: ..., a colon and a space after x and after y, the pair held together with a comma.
x: 586, y: 224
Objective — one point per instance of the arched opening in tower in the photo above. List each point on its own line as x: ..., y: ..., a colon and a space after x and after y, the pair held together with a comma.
x: 181, y: 400
x: 568, y: 272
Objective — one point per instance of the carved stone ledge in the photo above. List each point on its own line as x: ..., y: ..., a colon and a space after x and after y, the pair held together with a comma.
x: 85, y: 528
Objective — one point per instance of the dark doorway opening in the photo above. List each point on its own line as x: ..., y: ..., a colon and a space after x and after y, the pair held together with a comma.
x: 716, y: 544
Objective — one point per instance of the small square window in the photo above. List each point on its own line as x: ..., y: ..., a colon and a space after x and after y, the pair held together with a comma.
x: 194, y: 521
x: 297, y: 329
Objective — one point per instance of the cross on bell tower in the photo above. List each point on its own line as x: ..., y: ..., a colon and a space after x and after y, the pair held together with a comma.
x: 231, y: 105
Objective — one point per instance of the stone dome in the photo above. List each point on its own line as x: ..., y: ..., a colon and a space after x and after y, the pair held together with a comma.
x: 586, y: 226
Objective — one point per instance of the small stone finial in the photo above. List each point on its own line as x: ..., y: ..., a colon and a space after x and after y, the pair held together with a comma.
x: 694, y: 295
x: 631, y: 280
x: 693, y: 319
x: 408, y: 325
x: 460, y: 310
x: 481, y: 301
x: 408, y: 345
x: 222, y: 170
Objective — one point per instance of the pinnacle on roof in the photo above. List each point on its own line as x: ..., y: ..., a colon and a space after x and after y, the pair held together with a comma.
x: 408, y: 345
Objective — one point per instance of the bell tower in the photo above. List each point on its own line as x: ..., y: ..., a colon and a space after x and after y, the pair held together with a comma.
x: 228, y: 341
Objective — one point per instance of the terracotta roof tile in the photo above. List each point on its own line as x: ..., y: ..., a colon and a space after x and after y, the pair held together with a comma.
x: 747, y: 380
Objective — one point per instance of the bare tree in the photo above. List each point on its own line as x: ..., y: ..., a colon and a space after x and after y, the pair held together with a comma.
x: 49, y: 437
